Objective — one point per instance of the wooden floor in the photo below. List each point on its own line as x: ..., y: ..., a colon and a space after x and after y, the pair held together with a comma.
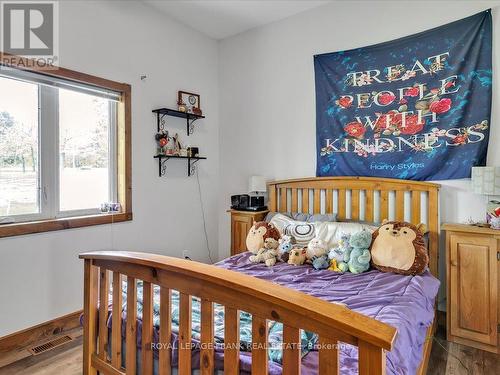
x: 449, y: 359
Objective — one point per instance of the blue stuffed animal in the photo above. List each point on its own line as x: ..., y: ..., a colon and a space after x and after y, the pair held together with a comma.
x: 320, y: 262
x: 286, y: 243
x: 359, y: 256
x: 342, y: 252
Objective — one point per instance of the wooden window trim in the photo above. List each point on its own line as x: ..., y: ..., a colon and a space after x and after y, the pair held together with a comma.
x: 123, y: 150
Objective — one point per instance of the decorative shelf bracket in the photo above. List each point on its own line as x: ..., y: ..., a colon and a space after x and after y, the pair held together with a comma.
x: 190, y: 125
x: 192, y: 166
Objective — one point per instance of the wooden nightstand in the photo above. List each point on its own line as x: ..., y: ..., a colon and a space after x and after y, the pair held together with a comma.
x: 472, y: 269
x: 241, y: 222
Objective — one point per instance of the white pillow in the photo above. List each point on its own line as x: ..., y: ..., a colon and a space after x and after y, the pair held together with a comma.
x: 331, y: 232
x: 328, y: 231
x: 302, y: 231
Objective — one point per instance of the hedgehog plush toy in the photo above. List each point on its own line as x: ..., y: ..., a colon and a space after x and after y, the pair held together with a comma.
x: 399, y: 247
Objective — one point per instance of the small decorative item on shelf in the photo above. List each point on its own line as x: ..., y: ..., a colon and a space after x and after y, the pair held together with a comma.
x: 193, y: 151
x: 162, y: 138
x: 192, y: 102
x: 177, y: 144
x: 183, y: 152
x: 181, y: 107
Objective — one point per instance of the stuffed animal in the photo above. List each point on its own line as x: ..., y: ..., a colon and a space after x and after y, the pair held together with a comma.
x: 316, y: 248
x: 259, y: 232
x: 286, y: 243
x: 334, y: 266
x: 320, y: 262
x: 338, y: 251
x: 297, y: 256
x: 359, y: 258
x: 268, y: 254
x: 399, y: 247
x: 341, y: 253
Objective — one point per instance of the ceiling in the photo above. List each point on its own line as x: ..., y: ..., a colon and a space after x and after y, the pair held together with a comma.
x: 220, y: 19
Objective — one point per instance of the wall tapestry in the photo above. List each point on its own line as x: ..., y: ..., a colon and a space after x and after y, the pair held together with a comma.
x: 414, y: 108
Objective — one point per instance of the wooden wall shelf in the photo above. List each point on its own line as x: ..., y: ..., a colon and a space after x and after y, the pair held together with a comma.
x: 190, y: 118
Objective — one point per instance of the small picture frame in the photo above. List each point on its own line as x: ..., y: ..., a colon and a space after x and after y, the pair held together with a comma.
x: 190, y: 100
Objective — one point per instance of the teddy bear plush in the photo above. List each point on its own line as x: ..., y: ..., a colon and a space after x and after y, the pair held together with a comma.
x: 258, y: 233
x: 316, y: 248
x: 286, y: 243
x: 359, y: 257
x: 320, y: 262
x: 297, y: 256
x: 268, y: 254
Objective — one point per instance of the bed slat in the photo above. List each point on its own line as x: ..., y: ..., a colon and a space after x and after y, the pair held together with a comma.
x: 184, y: 334
x: 283, y: 199
x: 131, y: 331
x: 103, y: 313
x: 147, y: 328
x: 164, y: 359
x: 291, y: 350
x: 259, y: 345
x: 116, y: 323
x: 329, y: 201
x: 231, y: 341
x: 317, y: 201
x: 295, y: 201
x: 207, y: 338
x: 328, y: 357
x: 371, y: 359
x: 384, y: 205
x: 342, y: 202
x: 355, y: 204
x: 90, y: 293
x: 305, y: 200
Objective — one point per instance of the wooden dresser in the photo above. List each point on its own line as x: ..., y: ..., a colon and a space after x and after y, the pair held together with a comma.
x: 241, y: 222
x: 472, y: 276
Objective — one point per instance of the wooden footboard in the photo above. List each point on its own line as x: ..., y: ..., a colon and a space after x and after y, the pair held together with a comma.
x: 264, y: 300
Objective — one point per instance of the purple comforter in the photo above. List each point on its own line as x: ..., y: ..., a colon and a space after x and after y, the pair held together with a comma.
x: 405, y: 302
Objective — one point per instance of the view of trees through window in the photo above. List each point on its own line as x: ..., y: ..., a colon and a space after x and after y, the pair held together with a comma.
x: 79, y: 149
x: 83, y: 150
x: 19, y: 177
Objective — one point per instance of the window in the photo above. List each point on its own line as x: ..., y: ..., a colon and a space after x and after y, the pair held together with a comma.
x: 63, y: 149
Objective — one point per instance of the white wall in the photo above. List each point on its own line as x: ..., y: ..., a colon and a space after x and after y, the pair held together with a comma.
x: 267, y: 92
x: 40, y: 275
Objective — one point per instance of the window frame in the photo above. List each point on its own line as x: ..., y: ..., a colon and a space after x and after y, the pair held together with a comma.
x: 121, y: 184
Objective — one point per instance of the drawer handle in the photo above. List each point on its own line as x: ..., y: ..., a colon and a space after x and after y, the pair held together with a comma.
x: 454, y: 263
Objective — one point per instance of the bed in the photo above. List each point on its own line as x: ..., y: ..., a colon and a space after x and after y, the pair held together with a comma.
x: 350, y: 336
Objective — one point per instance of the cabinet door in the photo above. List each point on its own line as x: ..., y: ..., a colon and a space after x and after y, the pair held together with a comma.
x: 240, y: 225
x: 473, y: 287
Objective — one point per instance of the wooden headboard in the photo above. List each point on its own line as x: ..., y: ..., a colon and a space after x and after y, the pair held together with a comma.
x: 363, y: 198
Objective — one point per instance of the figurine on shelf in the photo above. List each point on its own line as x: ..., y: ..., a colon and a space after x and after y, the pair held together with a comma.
x: 177, y: 144
x: 162, y: 138
x: 181, y: 106
x: 170, y: 146
x: 197, y: 111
